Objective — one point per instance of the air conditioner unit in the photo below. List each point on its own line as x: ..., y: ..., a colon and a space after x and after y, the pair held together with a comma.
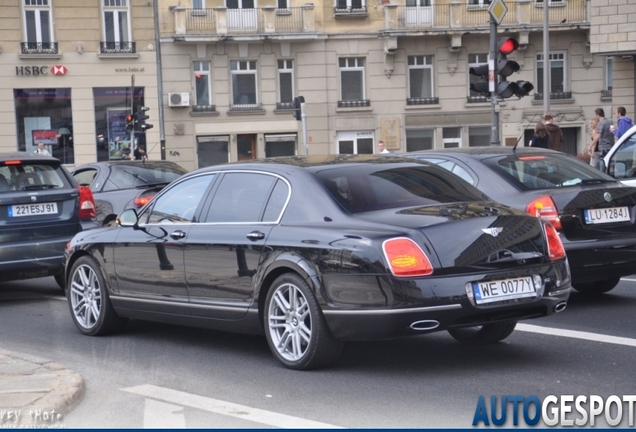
x: 179, y: 99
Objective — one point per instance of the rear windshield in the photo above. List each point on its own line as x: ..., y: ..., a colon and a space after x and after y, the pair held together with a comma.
x: 546, y: 171
x: 367, y: 188
x: 132, y: 176
x: 20, y: 177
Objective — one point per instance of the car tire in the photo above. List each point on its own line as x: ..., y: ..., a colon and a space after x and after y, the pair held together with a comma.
x: 482, y: 335
x: 295, y: 327
x: 88, y: 300
x: 59, y: 279
x: 598, y: 287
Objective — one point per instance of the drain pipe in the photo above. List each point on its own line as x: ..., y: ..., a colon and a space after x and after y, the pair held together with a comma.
x: 162, y: 132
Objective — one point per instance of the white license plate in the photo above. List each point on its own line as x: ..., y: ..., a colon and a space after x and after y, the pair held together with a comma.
x: 507, y: 289
x: 606, y: 215
x: 32, y: 209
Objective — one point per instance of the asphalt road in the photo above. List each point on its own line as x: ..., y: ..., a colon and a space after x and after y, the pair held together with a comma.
x: 156, y: 375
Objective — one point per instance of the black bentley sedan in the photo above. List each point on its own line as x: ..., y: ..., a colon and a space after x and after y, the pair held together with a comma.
x: 594, y: 214
x: 316, y: 250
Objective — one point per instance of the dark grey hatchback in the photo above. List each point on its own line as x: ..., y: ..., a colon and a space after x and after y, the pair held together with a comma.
x: 41, y: 208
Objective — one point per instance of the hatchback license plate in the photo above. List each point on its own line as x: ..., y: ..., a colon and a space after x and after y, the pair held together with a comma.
x: 606, y: 215
x: 32, y: 209
x: 507, y: 289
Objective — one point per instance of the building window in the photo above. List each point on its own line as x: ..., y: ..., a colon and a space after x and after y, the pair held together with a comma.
x: 112, y: 104
x: 244, y: 83
x: 280, y: 145
x: 117, y: 37
x: 452, y: 137
x: 355, y: 142
x: 45, y: 114
x: 198, y: 4
x: 350, y: 4
x: 558, y: 79
x: 479, y: 3
x: 479, y: 136
x: 609, y: 77
x: 38, y: 27
x: 352, y: 82
x: 203, y: 90
x: 213, y: 150
x: 282, y: 4
x: 475, y: 60
x: 419, y: 139
x: 420, y: 79
x: 550, y: 3
x: 285, y: 84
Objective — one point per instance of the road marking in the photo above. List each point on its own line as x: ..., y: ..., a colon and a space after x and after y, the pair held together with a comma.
x: 628, y: 279
x: 594, y: 337
x: 160, y: 415
x: 226, y: 408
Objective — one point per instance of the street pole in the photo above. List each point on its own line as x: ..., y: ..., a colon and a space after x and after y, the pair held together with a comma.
x: 132, y: 111
x: 162, y: 131
x: 546, y: 59
x: 303, y: 117
x: 492, y: 82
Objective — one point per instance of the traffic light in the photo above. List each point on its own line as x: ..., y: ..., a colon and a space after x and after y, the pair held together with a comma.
x: 142, y: 126
x: 131, y: 122
x: 297, y: 107
x: 480, y: 86
x: 505, y: 68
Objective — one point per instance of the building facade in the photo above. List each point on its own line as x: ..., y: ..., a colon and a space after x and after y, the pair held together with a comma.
x: 369, y: 70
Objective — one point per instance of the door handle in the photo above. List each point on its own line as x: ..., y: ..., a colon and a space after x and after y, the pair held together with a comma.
x: 177, y: 235
x: 255, y: 235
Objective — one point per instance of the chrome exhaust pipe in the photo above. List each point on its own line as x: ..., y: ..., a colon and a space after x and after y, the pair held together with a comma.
x: 560, y: 307
x: 424, y: 325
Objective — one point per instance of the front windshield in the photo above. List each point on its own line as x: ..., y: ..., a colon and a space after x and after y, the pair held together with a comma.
x: 531, y: 172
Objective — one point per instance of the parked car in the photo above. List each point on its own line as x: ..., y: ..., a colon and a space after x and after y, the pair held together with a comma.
x: 620, y: 161
x: 41, y: 208
x: 593, y: 213
x: 118, y: 185
x: 317, y: 250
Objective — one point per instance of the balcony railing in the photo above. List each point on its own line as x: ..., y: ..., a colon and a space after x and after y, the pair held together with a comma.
x: 354, y: 103
x: 606, y: 94
x: 459, y: 15
x: 222, y: 20
x: 117, y: 47
x: 39, y: 47
x: 246, y: 107
x: 203, y: 108
x: 554, y: 96
x: 477, y: 99
x: 285, y: 106
x: 422, y: 101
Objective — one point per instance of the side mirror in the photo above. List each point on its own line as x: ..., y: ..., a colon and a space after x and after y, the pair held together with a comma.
x: 619, y: 170
x: 603, y: 168
x: 128, y: 218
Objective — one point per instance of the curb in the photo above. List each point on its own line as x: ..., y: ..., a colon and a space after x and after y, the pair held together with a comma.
x: 35, y: 391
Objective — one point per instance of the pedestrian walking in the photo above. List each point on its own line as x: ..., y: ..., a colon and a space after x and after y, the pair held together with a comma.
x: 382, y: 147
x: 604, y: 139
x: 554, y: 132
x: 41, y: 150
x: 540, y: 138
x: 594, y: 155
x: 623, y: 124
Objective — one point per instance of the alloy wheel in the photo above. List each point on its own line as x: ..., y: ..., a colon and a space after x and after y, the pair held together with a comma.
x: 86, y: 298
x: 290, y: 324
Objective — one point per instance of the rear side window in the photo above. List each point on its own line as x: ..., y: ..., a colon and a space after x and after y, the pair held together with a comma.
x: 21, y: 177
x: 368, y: 188
x: 545, y: 171
x: 241, y: 197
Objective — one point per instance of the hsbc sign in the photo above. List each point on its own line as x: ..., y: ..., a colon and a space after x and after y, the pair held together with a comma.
x: 40, y: 70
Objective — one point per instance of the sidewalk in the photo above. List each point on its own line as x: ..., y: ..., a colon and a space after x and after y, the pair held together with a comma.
x: 35, y: 391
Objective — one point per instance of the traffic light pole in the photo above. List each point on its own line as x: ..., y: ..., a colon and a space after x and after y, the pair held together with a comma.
x: 132, y: 111
x: 492, y: 78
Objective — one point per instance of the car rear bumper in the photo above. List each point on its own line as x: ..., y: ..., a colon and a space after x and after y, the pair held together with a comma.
x: 600, y: 260
x: 32, y: 259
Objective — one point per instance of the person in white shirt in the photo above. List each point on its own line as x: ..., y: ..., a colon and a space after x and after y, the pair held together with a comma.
x: 41, y: 150
x: 382, y: 147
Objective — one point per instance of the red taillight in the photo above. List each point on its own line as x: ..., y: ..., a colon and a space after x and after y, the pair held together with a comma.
x: 556, y: 251
x: 141, y: 201
x: 13, y: 162
x: 86, y: 203
x: 406, y: 258
x: 545, y: 209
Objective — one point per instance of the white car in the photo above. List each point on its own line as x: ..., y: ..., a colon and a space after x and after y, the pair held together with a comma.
x: 620, y: 162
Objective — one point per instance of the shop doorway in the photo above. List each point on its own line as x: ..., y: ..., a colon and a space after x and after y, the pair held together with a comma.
x: 246, y: 147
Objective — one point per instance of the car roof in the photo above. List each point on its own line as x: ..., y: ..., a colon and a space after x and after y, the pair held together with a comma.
x: 486, y: 152
x: 25, y: 156
x: 310, y: 163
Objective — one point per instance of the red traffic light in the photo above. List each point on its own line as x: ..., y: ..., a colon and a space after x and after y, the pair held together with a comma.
x: 129, y: 118
x: 507, y: 45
